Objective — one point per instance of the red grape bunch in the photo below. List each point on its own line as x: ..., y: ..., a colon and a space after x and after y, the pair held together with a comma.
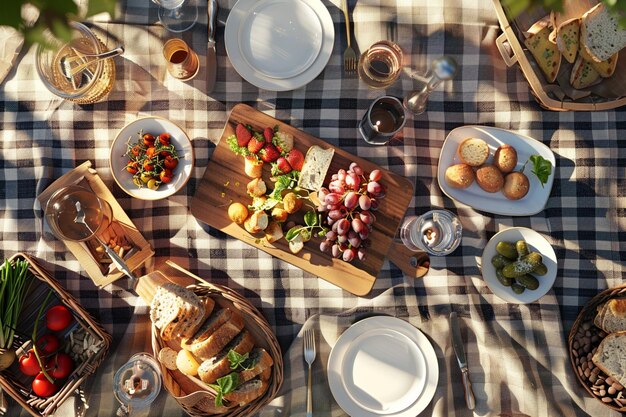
x: 348, y: 202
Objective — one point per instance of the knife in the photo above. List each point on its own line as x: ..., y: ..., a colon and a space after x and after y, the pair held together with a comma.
x: 457, y: 343
x: 211, y: 62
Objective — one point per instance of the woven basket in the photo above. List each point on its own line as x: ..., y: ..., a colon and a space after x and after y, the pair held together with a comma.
x: 584, y: 320
x: 256, y: 324
x: 18, y: 385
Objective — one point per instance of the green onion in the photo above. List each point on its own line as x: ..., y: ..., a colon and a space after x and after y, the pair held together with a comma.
x: 15, y: 280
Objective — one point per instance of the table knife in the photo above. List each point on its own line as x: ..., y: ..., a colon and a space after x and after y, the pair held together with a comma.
x: 457, y: 343
x: 211, y: 62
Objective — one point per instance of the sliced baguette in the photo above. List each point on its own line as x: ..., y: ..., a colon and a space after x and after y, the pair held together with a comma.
x: 219, y: 365
x: 604, y: 68
x: 611, y: 356
x: 248, y: 391
x: 258, y: 361
x: 316, y: 164
x: 473, y: 151
x: 614, y: 316
x: 546, y: 53
x: 583, y: 74
x: 601, y: 34
x: 209, y: 326
x: 567, y: 40
x: 176, y: 311
x: 210, y: 347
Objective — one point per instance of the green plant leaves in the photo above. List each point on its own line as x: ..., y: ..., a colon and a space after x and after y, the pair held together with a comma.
x: 542, y: 168
x: 310, y: 218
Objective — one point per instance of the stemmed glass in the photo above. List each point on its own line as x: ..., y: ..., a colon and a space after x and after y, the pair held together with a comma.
x: 177, y: 15
x: 437, y: 232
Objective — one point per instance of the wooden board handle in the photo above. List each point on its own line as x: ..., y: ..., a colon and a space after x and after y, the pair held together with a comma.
x: 413, y: 264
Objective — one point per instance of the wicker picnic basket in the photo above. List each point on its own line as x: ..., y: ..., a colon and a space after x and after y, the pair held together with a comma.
x: 18, y: 385
x: 584, y: 338
x: 257, y: 325
x: 545, y: 93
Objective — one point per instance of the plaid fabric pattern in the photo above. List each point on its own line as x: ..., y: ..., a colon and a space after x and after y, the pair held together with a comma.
x: 516, y: 353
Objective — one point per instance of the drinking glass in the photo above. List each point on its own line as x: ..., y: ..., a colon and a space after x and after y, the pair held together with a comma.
x: 177, y: 15
x: 182, y: 61
x: 381, y: 65
x: 137, y: 383
x: 61, y: 211
x: 383, y: 119
x: 437, y: 232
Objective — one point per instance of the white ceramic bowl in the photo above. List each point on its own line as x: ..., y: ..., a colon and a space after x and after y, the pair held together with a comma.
x: 536, y: 243
x: 156, y: 126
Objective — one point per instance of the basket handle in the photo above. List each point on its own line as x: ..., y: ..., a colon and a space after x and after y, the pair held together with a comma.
x: 509, y: 59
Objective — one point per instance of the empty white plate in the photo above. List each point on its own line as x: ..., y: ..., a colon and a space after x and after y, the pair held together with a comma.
x: 280, y: 38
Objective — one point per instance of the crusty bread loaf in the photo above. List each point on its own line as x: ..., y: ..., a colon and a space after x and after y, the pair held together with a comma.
x: 546, y: 53
x: 219, y: 365
x: 316, y: 164
x: 209, y: 326
x: 583, y: 74
x: 601, y: 33
x: 177, y: 311
x: 248, y: 391
x: 611, y: 356
x: 473, y: 151
x: 210, y: 346
x: 489, y: 178
x: 505, y: 158
x: 459, y: 176
x: 258, y: 361
x: 567, y: 39
x: 165, y: 306
x: 516, y: 185
x: 612, y: 316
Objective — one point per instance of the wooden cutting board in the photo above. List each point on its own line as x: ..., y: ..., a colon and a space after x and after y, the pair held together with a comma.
x: 224, y: 182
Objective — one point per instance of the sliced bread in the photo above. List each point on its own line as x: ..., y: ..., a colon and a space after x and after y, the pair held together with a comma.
x: 546, y: 53
x: 209, y: 326
x: 258, y: 361
x: 473, y: 151
x: 248, y: 391
x: 583, y: 74
x: 614, y: 316
x: 611, y: 356
x: 316, y: 164
x: 604, y: 68
x: 601, y: 34
x: 567, y: 39
x: 176, y: 310
x: 219, y: 365
x: 209, y: 347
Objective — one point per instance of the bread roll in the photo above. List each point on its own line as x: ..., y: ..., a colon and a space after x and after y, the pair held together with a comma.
x: 460, y: 176
x: 473, y: 151
x: 253, y: 167
x: 505, y: 158
x: 489, y: 178
x: 516, y: 186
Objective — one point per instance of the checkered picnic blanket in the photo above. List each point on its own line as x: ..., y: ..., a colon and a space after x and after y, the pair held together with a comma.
x: 517, y: 353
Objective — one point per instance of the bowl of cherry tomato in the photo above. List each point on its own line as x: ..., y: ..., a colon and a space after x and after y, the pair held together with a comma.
x: 151, y: 158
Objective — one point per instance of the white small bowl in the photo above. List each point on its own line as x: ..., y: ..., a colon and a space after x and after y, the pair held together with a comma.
x: 155, y: 125
x: 536, y: 243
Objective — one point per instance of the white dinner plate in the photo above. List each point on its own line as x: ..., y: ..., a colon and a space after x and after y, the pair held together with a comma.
x: 383, y: 366
x: 284, y: 52
x: 280, y: 38
x: 497, y: 203
x: 155, y: 126
x: 536, y: 243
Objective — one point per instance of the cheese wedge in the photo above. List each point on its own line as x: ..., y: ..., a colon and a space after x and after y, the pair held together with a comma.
x: 601, y: 34
x: 545, y: 52
x: 567, y: 40
x: 583, y: 74
x: 604, y: 68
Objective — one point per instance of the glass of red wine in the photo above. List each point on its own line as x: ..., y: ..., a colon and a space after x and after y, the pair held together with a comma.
x: 384, y: 118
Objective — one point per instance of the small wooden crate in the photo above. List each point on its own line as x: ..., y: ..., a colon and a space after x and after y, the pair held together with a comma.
x: 540, y: 88
x: 582, y: 325
x: 18, y: 385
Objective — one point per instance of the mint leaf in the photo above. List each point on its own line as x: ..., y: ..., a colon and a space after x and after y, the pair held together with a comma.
x: 542, y: 168
x: 236, y: 360
x: 225, y: 385
x: 310, y: 218
x: 292, y: 233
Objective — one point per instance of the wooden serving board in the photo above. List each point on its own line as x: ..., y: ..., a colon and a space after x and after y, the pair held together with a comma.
x: 224, y: 182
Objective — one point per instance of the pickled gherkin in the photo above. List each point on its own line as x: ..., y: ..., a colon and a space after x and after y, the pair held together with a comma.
x: 523, y: 266
x: 528, y: 281
x: 540, y: 269
x: 517, y: 289
x: 507, y: 282
x: 522, y: 248
x: 507, y: 249
x: 499, y: 261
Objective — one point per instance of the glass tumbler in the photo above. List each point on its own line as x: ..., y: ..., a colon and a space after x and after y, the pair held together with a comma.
x: 61, y: 213
x: 381, y: 65
x: 383, y: 119
x: 137, y: 383
x: 437, y: 232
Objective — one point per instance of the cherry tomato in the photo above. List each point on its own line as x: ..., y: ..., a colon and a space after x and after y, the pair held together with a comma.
x: 166, y: 176
x: 42, y: 387
x: 152, y: 184
x: 148, y: 139
x: 165, y: 154
x: 148, y: 166
x: 170, y: 162
x: 150, y: 151
x: 135, y: 150
x: 58, y: 318
x: 28, y: 364
x: 60, y: 366
x: 132, y: 167
x: 164, y: 139
x: 47, y: 344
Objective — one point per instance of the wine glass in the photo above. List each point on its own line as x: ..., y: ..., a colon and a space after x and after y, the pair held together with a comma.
x: 437, y: 232
x: 177, y: 15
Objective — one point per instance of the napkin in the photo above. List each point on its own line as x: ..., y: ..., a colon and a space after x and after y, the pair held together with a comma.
x: 11, y: 42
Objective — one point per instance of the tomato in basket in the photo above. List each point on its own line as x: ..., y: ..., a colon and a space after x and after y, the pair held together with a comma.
x: 58, y: 318
x: 42, y: 387
x: 60, y: 366
x: 47, y: 344
x: 28, y: 364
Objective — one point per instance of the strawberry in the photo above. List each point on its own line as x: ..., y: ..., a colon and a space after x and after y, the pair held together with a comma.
x: 243, y: 135
x: 283, y: 165
x: 295, y: 159
x: 269, y: 153
x: 283, y: 141
x: 255, y: 144
x: 268, y: 134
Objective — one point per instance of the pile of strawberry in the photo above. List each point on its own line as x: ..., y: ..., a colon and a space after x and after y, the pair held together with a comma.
x: 270, y: 146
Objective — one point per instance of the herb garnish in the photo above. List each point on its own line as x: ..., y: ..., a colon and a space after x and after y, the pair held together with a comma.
x: 313, y: 221
x: 542, y: 168
x: 235, y: 360
x: 225, y: 385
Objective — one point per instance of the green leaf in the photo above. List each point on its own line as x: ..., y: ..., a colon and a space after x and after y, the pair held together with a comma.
x: 236, y: 360
x: 310, y: 218
x: 100, y: 6
x: 542, y: 168
x: 234, y: 146
x: 292, y: 233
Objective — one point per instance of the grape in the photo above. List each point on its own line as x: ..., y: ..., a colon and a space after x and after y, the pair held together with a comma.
x: 341, y: 175
x: 352, y: 165
x: 331, y: 235
x: 337, y: 187
x: 374, y: 187
x: 351, y: 200
x: 367, y: 217
x: 325, y: 245
x: 375, y: 204
x: 364, y: 235
x: 332, y: 198
x: 322, y: 193
x: 356, y: 168
x: 352, y: 233
x: 335, y: 214
x: 355, y: 242
x: 353, y: 182
x: 361, y: 253
x: 334, y: 226
x: 358, y: 226
x: 343, y: 226
x: 334, y: 250
x: 376, y: 175
x: 342, y: 239
x: 365, y: 202
x: 349, y: 254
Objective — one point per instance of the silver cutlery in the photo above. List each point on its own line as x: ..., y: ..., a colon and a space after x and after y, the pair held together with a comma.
x: 211, y: 61
x: 349, y: 56
x: 457, y: 343
x: 309, y: 357
x: 115, y: 258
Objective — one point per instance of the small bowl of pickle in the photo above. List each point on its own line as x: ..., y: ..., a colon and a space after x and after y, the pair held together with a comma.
x: 519, y: 265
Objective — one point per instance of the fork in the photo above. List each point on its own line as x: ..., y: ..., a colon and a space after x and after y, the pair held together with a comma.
x: 349, y: 56
x: 309, y: 357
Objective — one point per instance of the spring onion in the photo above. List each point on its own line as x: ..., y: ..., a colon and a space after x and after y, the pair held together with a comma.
x: 15, y: 280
